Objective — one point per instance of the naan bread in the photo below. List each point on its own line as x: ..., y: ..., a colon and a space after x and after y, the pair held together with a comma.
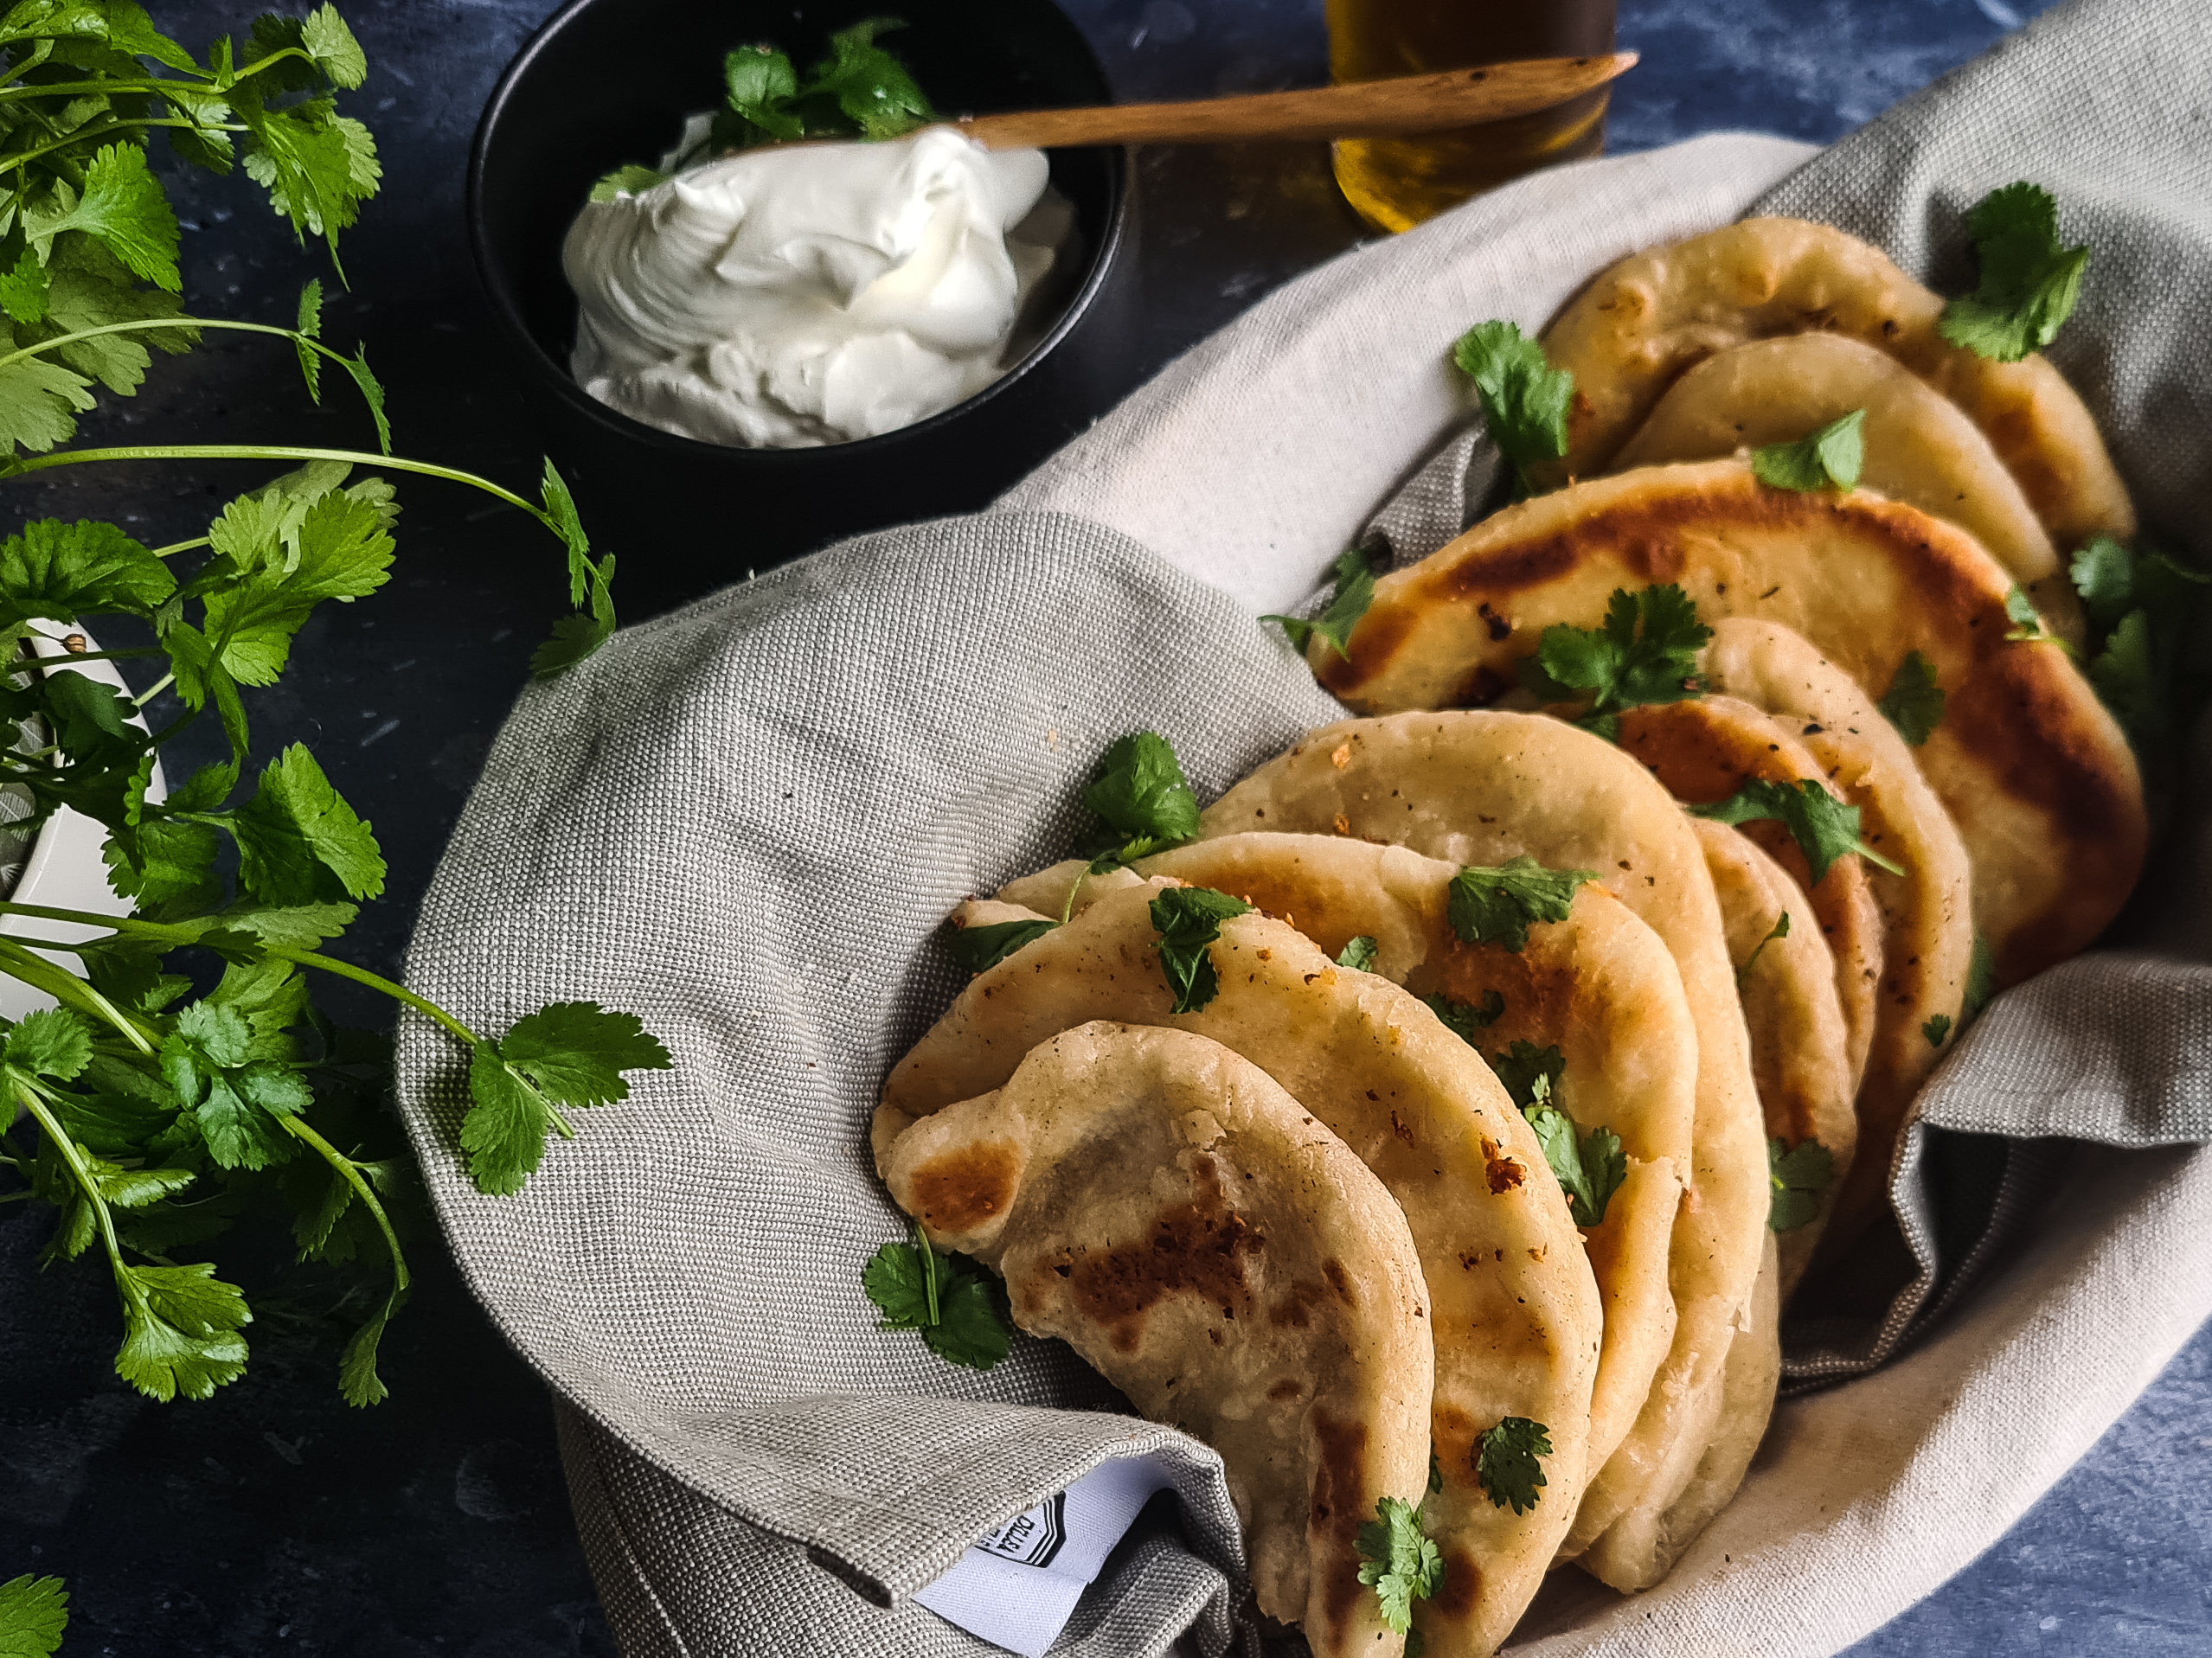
x: 1169, y: 1212
x: 1703, y: 752
x: 1927, y: 912
x: 1920, y: 448
x: 1598, y: 986
x: 1641, y: 325
x: 2035, y: 772
x: 1483, y: 788
x: 1644, y: 1547
x: 1800, y: 1053
x: 1515, y: 1312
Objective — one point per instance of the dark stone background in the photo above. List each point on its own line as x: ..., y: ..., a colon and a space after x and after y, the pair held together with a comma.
x: 271, y: 1518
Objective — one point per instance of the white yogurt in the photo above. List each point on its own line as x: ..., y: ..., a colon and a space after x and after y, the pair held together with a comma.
x: 804, y: 294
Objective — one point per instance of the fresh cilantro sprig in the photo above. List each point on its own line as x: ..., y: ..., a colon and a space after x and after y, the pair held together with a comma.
x: 1509, y: 1464
x: 1822, y: 826
x: 1142, y: 800
x: 1358, y: 954
x: 1795, y: 1179
x: 2028, y: 281
x: 2027, y: 624
x: 978, y: 949
x: 1829, y: 459
x: 1935, y: 1028
x: 858, y: 91
x: 1588, y: 1168
x: 958, y: 1307
x: 1780, y: 930
x: 1354, y: 593
x: 34, y: 1611
x: 1645, y: 653
x: 89, y: 241
x: 1525, y: 400
x: 1397, y: 1561
x: 1913, y: 702
x: 1189, y: 919
x: 1463, y: 1019
x: 2149, y: 617
x: 1497, y: 906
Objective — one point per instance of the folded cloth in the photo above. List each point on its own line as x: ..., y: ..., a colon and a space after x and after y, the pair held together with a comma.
x: 744, y: 823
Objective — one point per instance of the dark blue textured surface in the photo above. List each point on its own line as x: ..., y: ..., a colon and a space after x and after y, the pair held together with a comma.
x: 272, y: 1518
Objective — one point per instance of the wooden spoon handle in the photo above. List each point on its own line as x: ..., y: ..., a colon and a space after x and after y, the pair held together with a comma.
x: 1365, y: 109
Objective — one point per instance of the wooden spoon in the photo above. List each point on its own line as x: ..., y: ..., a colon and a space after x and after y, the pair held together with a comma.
x: 1365, y: 109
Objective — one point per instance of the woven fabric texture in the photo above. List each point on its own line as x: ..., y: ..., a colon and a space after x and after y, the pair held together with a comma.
x: 744, y: 822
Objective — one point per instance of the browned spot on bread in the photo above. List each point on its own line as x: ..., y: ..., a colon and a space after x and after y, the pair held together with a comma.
x: 1289, y: 1388
x: 1503, y: 1173
x: 964, y: 1188
x: 1463, y: 1581
x: 1295, y: 1311
x: 1196, y: 1248
x: 1340, y: 1502
x: 1340, y: 1281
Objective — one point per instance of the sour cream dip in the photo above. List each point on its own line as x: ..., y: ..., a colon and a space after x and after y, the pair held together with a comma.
x: 795, y: 295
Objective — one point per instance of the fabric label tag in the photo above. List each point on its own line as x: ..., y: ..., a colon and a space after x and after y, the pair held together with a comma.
x: 1017, y: 1586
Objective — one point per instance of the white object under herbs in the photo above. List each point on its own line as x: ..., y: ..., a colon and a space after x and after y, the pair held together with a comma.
x: 65, y: 869
x: 797, y: 295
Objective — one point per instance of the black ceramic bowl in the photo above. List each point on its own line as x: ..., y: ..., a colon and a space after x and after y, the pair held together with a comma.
x: 599, y: 86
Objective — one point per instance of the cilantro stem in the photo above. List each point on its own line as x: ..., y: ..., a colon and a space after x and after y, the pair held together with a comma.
x: 158, y: 86
x: 175, y: 547
x: 1876, y: 858
x: 153, y: 690
x: 18, y: 962
x: 399, y: 993
x: 66, y: 1149
x: 17, y: 466
x: 8, y: 163
x: 14, y: 1197
x: 151, y: 326
x: 349, y: 1171
x: 928, y: 1275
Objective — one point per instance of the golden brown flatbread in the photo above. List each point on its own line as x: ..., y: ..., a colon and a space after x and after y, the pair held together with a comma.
x: 1703, y: 752
x: 2035, y: 772
x: 1800, y: 1051
x: 1920, y: 448
x: 1167, y: 1210
x: 1518, y: 1320
x: 1481, y: 789
x: 1927, y: 912
x: 1600, y: 986
x: 1642, y: 324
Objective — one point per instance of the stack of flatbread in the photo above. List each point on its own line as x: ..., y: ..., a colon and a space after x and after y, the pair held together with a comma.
x: 1325, y: 1221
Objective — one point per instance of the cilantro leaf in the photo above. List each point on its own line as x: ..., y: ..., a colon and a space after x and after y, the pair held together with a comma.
x: 576, y: 1051
x: 1780, y: 930
x: 870, y: 87
x: 979, y: 948
x: 761, y: 84
x: 24, y: 290
x: 1589, y: 1169
x: 1525, y: 400
x: 1354, y: 593
x: 39, y: 403
x: 1981, y: 979
x: 1399, y: 1560
x: 122, y: 206
x: 1507, y: 1464
x: 326, y: 40
x: 1358, y: 954
x: 633, y: 180
x: 1187, y: 919
x: 2103, y: 573
x: 337, y: 550
x: 358, y: 1383
x: 62, y: 571
x: 299, y: 842
x: 34, y: 1611
x: 2027, y: 625
x: 55, y: 1042
x: 1139, y: 792
x: 1462, y: 1020
x: 1822, y: 826
x: 1913, y: 702
x: 1497, y: 906
x: 952, y: 1303
x: 2029, y: 282
x: 1797, y: 1179
x: 1937, y: 1027
x: 1529, y: 1073
x: 2127, y: 680
x: 1646, y: 652
x: 1827, y: 459
x: 570, y: 1053
x: 235, y: 1094
x: 179, y: 1330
